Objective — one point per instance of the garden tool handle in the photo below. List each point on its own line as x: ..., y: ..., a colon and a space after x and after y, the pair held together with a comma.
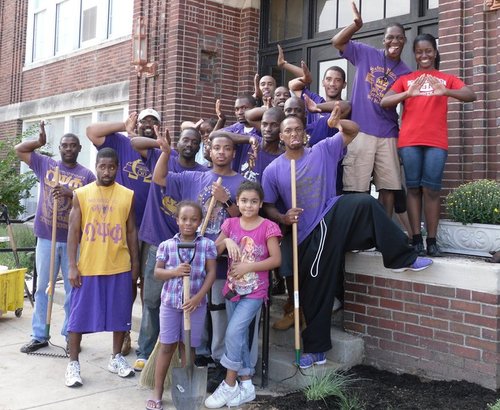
x: 209, y: 210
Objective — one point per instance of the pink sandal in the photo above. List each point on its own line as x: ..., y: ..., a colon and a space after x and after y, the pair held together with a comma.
x: 152, y: 404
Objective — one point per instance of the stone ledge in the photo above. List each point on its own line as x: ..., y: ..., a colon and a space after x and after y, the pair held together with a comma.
x: 451, y: 271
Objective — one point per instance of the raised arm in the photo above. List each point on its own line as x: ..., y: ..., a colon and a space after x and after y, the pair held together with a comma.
x: 298, y: 84
x: 143, y: 144
x: 285, y: 65
x: 25, y: 148
x: 340, y: 39
x: 221, y: 117
x: 464, y: 94
x: 97, y: 131
x: 328, y: 106
x: 348, y: 129
x: 161, y: 169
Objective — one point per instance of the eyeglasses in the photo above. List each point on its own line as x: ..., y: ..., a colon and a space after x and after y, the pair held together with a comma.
x: 149, y: 122
x: 290, y: 131
x: 391, y: 37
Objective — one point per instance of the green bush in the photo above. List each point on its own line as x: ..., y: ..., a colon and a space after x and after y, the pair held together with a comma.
x: 495, y: 406
x: 14, y: 186
x: 475, y: 202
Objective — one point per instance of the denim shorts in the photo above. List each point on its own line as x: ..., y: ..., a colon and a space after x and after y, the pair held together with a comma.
x: 423, y: 166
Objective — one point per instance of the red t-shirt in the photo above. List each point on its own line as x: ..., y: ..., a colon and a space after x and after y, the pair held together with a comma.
x: 424, y: 120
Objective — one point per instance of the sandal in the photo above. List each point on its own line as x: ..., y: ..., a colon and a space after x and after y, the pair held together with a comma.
x: 152, y: 404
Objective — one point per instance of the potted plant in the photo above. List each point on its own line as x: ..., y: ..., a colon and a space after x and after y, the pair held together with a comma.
x: 474, y: 224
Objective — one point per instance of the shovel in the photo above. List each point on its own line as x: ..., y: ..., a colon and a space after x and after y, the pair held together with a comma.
x: 189, y: 383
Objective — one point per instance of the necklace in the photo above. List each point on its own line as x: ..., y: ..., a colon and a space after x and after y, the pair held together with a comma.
x: 391, y: 70
x: 104, y: 208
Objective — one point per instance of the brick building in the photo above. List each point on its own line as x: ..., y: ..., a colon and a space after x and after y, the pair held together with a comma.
x: 75, y: 67
x: 70, y: 62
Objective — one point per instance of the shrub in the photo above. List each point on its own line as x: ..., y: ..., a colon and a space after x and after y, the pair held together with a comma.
x: 24, y: 238
x: 475, y: 202
x: 14, y: 186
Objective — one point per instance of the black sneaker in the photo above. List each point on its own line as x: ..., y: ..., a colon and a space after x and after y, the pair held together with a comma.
x: 419, y: 248
x: 33, y: 346
x: 434, y: 251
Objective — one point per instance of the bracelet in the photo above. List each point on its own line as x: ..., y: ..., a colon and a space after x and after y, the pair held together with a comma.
x: 228, y: 203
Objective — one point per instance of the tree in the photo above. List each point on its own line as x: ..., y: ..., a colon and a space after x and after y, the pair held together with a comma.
x: 14, y: 186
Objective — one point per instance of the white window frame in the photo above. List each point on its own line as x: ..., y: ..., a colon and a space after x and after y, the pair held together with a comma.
x: 103, y: 28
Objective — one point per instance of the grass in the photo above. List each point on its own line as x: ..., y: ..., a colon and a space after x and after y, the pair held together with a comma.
x: 334, y: 383
x: 495, y: 406
x: 24, y: 237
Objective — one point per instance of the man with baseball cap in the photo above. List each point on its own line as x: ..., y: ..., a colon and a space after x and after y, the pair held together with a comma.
x: 132, y: 173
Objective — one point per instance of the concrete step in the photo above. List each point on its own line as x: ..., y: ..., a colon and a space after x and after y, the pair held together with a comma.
x: 283, y: 372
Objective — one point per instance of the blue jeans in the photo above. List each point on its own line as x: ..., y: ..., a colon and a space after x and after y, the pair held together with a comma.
x: 423, y: 166
x: 150, y: 322
x: 237, y: 355
x: 38, y: 322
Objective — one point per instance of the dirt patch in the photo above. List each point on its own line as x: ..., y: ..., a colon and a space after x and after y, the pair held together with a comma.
x: 379, y: 389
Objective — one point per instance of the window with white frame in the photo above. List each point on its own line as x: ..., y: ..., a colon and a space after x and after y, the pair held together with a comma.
x: 58, y: 27
x: 75, y: 123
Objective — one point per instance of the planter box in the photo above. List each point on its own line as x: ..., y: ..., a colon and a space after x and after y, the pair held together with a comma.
x: 470, y: 239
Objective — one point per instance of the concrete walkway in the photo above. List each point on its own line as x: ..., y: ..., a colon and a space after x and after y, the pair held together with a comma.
x: 37, y: 382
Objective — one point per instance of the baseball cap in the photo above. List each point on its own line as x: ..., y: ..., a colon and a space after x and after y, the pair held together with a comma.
x: 149, y: 112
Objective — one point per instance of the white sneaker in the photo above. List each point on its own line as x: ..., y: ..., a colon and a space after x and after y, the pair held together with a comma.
x: 119, y: 365
x: 222, y: 396
x: 247, y: 393
x: 72, y: 376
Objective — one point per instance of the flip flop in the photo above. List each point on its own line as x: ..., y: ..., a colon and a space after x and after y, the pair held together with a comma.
x: 152, y: 404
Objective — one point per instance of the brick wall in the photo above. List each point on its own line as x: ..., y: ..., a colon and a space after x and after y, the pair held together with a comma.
x: 207, y: 51
x: 434, y: 331
x: 468, y: 43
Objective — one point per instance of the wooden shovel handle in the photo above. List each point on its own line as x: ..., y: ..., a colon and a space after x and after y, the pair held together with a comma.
x: 295, y: 263
x: 209, y: 210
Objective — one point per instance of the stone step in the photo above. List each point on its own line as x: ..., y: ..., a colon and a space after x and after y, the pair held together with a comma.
x: 283, y: 372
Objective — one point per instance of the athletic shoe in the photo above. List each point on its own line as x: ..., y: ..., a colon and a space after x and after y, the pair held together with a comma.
x: 433, y: 251
x: 222, y: 396
x: 72, y: 376
x: 418, y: 265
x: 215, y: 377
x: 308, y: 359
x: 119, y: 365
x: 33, y: 346
x: 127, y: 344
x: 139, y: 365
x: 246, y: 394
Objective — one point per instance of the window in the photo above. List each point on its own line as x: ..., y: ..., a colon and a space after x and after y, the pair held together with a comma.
x: 332, y: 14
x: 66, y: 19
x: 285, y: 19
x: 58, y: 27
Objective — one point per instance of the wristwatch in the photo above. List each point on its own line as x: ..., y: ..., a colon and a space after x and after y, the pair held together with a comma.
x: 228, y: 203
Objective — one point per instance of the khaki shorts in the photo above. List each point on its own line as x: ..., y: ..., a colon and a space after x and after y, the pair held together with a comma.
x: 368, y: 155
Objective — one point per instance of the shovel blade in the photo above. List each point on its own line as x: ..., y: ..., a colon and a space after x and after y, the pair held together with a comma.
x: 189, y: 386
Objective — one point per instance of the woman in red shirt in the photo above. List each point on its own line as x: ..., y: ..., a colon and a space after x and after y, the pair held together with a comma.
x: 423, y: 138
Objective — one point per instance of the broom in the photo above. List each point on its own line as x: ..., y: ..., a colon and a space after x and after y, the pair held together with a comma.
x: 147, y: 378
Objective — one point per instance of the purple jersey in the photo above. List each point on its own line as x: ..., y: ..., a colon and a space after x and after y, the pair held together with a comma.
x: 263, y: 160
x: 319, y: 130
x: 375, y: 75
x: 241, y: 149
x: 158, y: 223
x: 72, y: 178
x: 132, y: 172
x: 197, y: 186
x: 316, y: 182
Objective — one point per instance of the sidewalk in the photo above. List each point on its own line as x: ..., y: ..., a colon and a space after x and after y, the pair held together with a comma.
x: 37, y: 382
